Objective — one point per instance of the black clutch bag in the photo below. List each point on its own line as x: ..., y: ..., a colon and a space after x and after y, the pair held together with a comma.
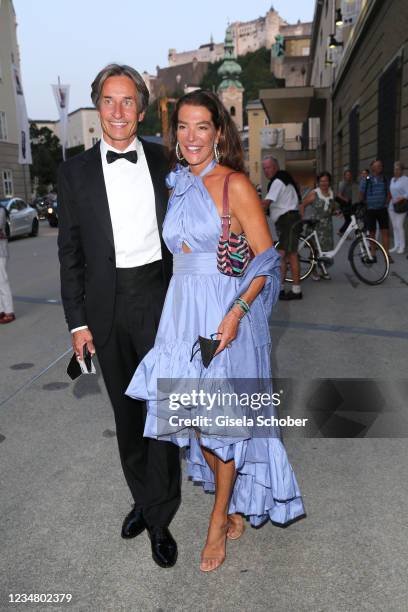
x: 207, y: 347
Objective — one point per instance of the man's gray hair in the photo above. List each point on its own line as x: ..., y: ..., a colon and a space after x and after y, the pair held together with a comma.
x: 272, y: 159
x: 121, y: 70
x: 399, y: 164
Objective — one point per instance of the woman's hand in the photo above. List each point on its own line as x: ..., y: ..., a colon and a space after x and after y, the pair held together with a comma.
x: 228, y: 327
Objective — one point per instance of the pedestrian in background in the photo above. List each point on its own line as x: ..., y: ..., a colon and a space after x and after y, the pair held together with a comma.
x: 282, y: 200
x: 6, y: 301
x: 399, y: 194
x: 344, y: 198
x: 322, y: 201
x: 374, y: 191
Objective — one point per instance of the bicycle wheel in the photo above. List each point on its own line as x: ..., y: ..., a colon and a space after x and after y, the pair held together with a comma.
x: 306, y: 260
x: 371, y: 268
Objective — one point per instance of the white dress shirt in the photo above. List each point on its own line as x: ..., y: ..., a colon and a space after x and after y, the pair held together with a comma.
x: 132, y: 209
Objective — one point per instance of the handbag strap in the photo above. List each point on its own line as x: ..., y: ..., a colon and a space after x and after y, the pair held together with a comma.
x: 226, y: 217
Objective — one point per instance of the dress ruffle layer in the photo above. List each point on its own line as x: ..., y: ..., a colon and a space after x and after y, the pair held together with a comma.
x: 265, y: 487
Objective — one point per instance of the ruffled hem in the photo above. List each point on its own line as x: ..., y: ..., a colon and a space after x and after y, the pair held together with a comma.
x: 265, y: 488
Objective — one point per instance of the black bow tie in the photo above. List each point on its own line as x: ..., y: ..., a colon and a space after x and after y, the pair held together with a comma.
x: 112, y: 156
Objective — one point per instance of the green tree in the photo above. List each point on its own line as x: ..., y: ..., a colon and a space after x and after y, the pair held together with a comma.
x: 47, y: 155
x: 151, y: 124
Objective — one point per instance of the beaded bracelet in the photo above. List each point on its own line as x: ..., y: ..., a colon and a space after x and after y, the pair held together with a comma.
x: 243, y: 305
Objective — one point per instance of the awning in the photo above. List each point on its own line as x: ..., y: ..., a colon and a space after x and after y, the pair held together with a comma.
x: 294, y: 104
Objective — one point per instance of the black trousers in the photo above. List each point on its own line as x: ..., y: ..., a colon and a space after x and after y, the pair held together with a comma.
x: 151, y: 467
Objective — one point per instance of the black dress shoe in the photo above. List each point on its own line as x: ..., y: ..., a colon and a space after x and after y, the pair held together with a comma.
x: 164, y: 547
x: 291, y: 296
x: 133, y: 524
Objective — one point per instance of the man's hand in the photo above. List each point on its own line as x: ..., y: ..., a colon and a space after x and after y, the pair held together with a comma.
x: 81, y: 338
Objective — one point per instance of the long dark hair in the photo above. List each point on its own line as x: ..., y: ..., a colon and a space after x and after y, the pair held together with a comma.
x: 229, y: 143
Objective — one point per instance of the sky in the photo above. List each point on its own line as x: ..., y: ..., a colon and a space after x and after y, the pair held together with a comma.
x: 73, y: 39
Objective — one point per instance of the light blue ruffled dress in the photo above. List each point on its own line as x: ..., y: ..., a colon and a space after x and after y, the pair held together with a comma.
x: 197, y: 300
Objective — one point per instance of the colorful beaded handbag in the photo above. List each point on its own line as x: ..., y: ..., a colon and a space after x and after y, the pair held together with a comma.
x: 233, y: 252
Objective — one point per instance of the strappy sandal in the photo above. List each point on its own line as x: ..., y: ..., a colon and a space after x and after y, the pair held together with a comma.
x: 239, y: 530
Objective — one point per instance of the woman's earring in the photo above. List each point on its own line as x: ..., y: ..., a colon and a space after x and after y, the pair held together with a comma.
x: 178, y: 153
x: 216, y: 153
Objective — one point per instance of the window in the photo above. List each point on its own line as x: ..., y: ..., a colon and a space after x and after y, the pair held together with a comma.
x: 7, y: 177
x: 389, y: 115
x: 3, y: 126
x: 232, y: 111
x: 354, y: 138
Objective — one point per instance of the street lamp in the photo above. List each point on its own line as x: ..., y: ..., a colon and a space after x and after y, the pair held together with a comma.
x: 333, y: 43
x: 339, y: 17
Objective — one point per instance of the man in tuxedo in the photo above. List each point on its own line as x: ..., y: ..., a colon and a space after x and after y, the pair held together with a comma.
x: 115, y: 269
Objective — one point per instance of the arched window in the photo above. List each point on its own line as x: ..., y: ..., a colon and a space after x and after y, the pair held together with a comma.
x: 232, y: 111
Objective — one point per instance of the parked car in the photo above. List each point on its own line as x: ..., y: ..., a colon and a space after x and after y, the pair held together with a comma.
x: 21, y: 218
x: 52, y: 213
x: 40, y: 204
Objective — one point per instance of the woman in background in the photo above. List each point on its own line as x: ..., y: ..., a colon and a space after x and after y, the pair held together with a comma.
x: 6, y: 301
x: 399, y: 192
x: 322, y: 201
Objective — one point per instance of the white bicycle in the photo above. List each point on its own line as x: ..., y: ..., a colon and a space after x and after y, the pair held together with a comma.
x: 368, y: 258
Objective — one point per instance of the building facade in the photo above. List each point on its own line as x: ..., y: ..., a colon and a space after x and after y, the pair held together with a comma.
x: 14, y: 177
x: 247, y: 36
x: 84, y: 128
x: 290, y: 54
x: 370, y: 90
x: 287, y: 132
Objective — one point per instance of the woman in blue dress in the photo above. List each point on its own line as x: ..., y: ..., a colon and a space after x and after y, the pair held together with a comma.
x: 249, y: 471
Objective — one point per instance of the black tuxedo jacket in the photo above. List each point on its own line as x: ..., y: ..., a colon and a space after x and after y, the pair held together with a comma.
x: 85, y: 240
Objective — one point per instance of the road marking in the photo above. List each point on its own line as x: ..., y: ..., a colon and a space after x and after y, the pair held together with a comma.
x: 32, y: 380
x: 363, y: 331
x: 34, y: 300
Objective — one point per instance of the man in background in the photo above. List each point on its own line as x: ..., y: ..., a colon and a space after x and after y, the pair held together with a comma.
x: 282, y: 201
x: 374, y: 190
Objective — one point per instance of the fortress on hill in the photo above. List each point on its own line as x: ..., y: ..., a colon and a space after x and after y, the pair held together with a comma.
x: 246, y: 35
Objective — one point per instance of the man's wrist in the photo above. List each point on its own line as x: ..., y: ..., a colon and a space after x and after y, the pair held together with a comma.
x: 75, y: 329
